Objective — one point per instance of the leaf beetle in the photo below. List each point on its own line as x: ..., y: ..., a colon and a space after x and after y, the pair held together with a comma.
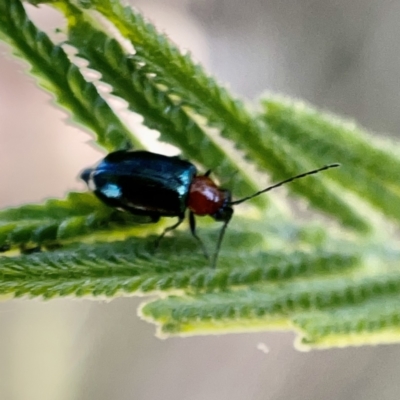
x: 154, y: 185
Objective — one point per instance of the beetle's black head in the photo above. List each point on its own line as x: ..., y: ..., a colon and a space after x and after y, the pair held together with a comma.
x: 224, y: 213
x: 85, y: 175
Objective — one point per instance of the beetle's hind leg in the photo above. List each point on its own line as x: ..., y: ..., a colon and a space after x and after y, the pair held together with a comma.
x: 192, y: 223
x: 168, y: 229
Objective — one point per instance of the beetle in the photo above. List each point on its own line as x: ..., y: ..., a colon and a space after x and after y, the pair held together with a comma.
x: 155, y: 185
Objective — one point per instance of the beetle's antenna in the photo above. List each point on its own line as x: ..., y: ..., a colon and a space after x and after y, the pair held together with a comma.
x: 315, y: 171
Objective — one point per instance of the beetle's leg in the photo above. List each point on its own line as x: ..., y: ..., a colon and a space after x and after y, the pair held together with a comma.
x: 169, y: 228
x: 208, y: 173
x: 226, y: 217
x: 192, y: 223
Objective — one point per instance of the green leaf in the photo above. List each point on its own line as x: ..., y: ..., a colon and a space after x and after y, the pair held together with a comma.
x: 133, y: 266
x: 351, y: 308
x: 59, y: 76
x: 78, y: 215
x: 369, y: 171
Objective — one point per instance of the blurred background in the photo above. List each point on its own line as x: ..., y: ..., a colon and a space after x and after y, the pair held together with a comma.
x: 342, y: 55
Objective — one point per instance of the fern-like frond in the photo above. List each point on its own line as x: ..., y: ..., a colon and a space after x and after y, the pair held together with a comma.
x: 352, y: 309
x: 55, y: 221
x: 369, y: 171
x: 59, y: 76
x: 133, y: 266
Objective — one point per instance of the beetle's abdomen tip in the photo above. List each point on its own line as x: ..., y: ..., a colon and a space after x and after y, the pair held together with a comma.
x: 85, y: 175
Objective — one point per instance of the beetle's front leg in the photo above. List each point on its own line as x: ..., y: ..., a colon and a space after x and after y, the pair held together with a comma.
x: 192, y: 223
x: 168, y: 229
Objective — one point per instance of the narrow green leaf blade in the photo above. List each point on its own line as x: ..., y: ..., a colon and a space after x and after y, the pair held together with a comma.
x: 80, y: 214
x: 369, y: 171
x: 132, y: 266
x: 55, y: 73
